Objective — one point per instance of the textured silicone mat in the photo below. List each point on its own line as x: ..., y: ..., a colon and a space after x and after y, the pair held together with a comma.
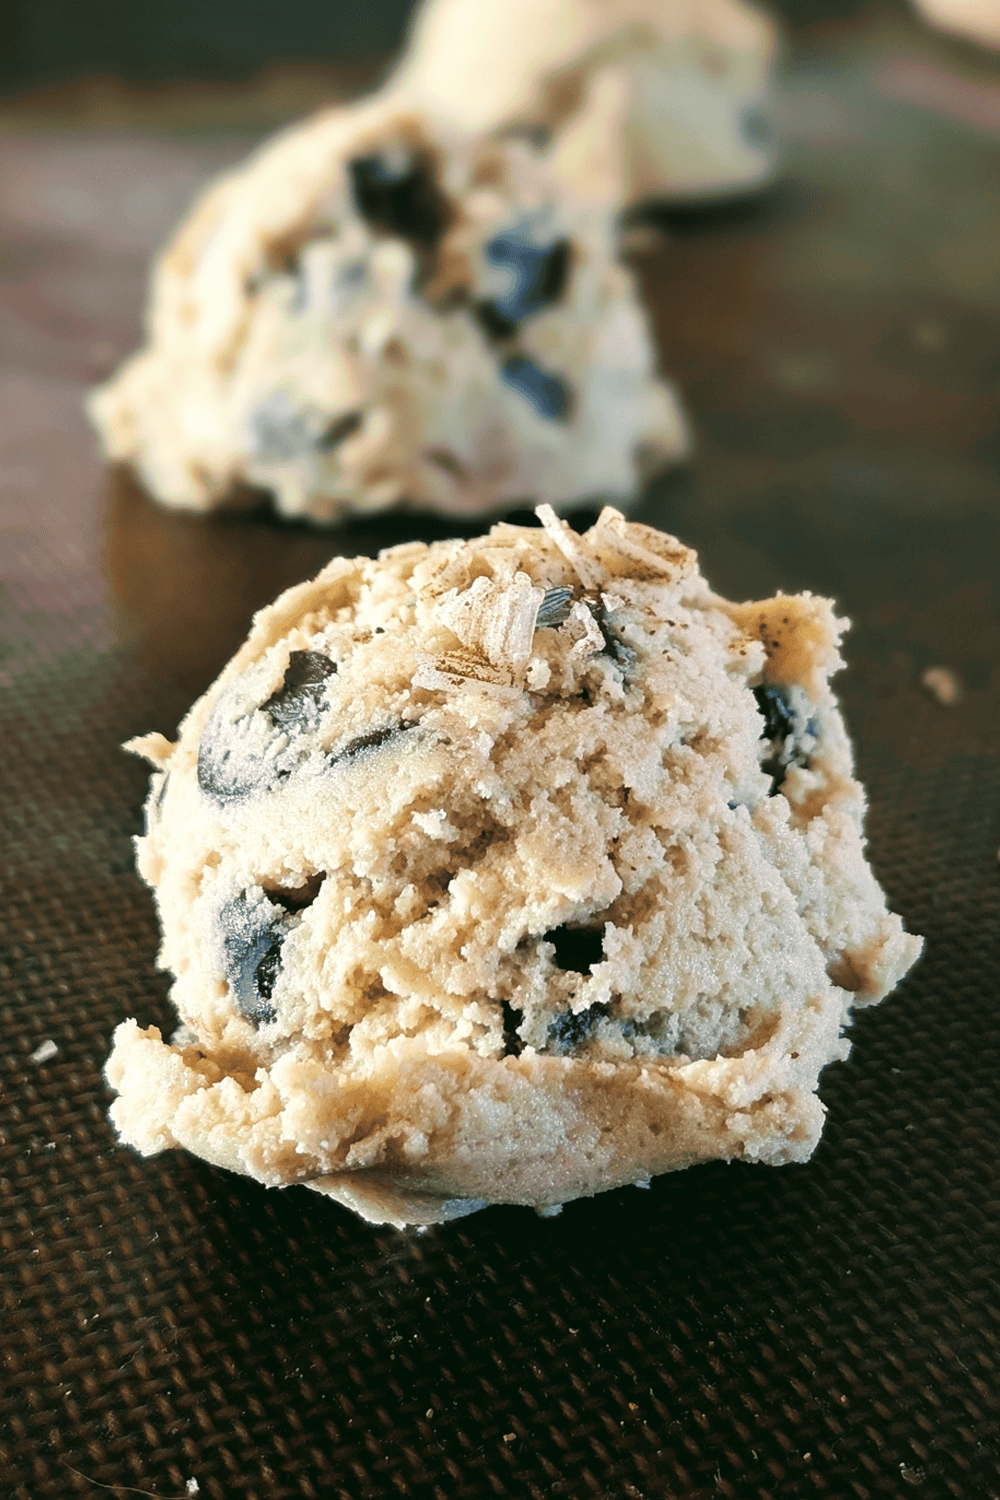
x: 827, y: 1330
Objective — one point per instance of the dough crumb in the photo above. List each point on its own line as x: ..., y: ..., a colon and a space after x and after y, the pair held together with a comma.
x: 943, y: 684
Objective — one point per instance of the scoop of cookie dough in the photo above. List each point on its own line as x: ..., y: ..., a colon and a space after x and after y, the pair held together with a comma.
x: 507, y: 871
x: 369, y: 313
x: 629, y: 100
x: 977, y: 20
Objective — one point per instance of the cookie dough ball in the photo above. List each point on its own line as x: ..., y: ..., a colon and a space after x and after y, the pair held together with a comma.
x: 368, y: 314
x: 977, y: 20
x: 630, y: 99
x: 507, y: 871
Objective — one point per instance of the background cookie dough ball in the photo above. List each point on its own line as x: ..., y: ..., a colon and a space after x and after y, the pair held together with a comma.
x: 629, y: 99
x: 368, y: 313
x: 507, y: 871
x: 978, y: 20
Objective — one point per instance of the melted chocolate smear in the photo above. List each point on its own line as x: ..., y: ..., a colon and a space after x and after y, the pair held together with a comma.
x: 578, y: 949
x: 301, y: 693
x: 400, y: 199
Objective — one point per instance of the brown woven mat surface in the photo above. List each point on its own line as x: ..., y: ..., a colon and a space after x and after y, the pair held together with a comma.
x: 825, y: 1330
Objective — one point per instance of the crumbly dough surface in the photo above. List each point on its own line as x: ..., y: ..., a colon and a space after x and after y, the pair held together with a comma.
x: 629, y: 100
x: 372, y: 311
x: 509, y: 870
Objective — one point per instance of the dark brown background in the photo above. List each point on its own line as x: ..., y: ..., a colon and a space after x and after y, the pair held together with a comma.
x: 831, y: 1329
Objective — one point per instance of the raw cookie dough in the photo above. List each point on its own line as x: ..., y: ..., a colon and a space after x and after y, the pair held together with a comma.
x: 507, y: 871
x: 369, y: 313
x: 978, y: 20
x: 629, y: 100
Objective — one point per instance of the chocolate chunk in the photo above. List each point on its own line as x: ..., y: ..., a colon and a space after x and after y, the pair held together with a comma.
x: 229, y: 769
x: 297, y: 701
x: 225, y: 770
x: 232, y: 757
x: 252, y: 936
x: 784, y: 731
x: 400, y: 197
x: 569, y: 1032
x: 547, y: 393
x: 539, y: 271
x: 265, y: 977
x: 339, y: 430
x: 555, y: 607
x: 493, y: 322
x: 756, y: 128
x: 370, y: 740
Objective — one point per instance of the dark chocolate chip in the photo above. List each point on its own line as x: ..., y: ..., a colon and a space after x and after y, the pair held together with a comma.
x: 555, y: 607
x: 368, y: 741
x: 775, y: 704
x: 783, y: 731
x: 297, y: 701
x: 266, y: 976
x: 339, y: 430
x: 281, y: 431
x: 756, y: 127
x: 224, y: 773
x: 547, y: 393
x: 570, y: 1031
x: 400, y: 199
x: 540, y: 273
x: 252, y: 936
x: 493, y: 322
x: 578, y: 949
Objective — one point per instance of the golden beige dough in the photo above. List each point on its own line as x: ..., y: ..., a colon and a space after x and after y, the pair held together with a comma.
x: 507, y: 871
